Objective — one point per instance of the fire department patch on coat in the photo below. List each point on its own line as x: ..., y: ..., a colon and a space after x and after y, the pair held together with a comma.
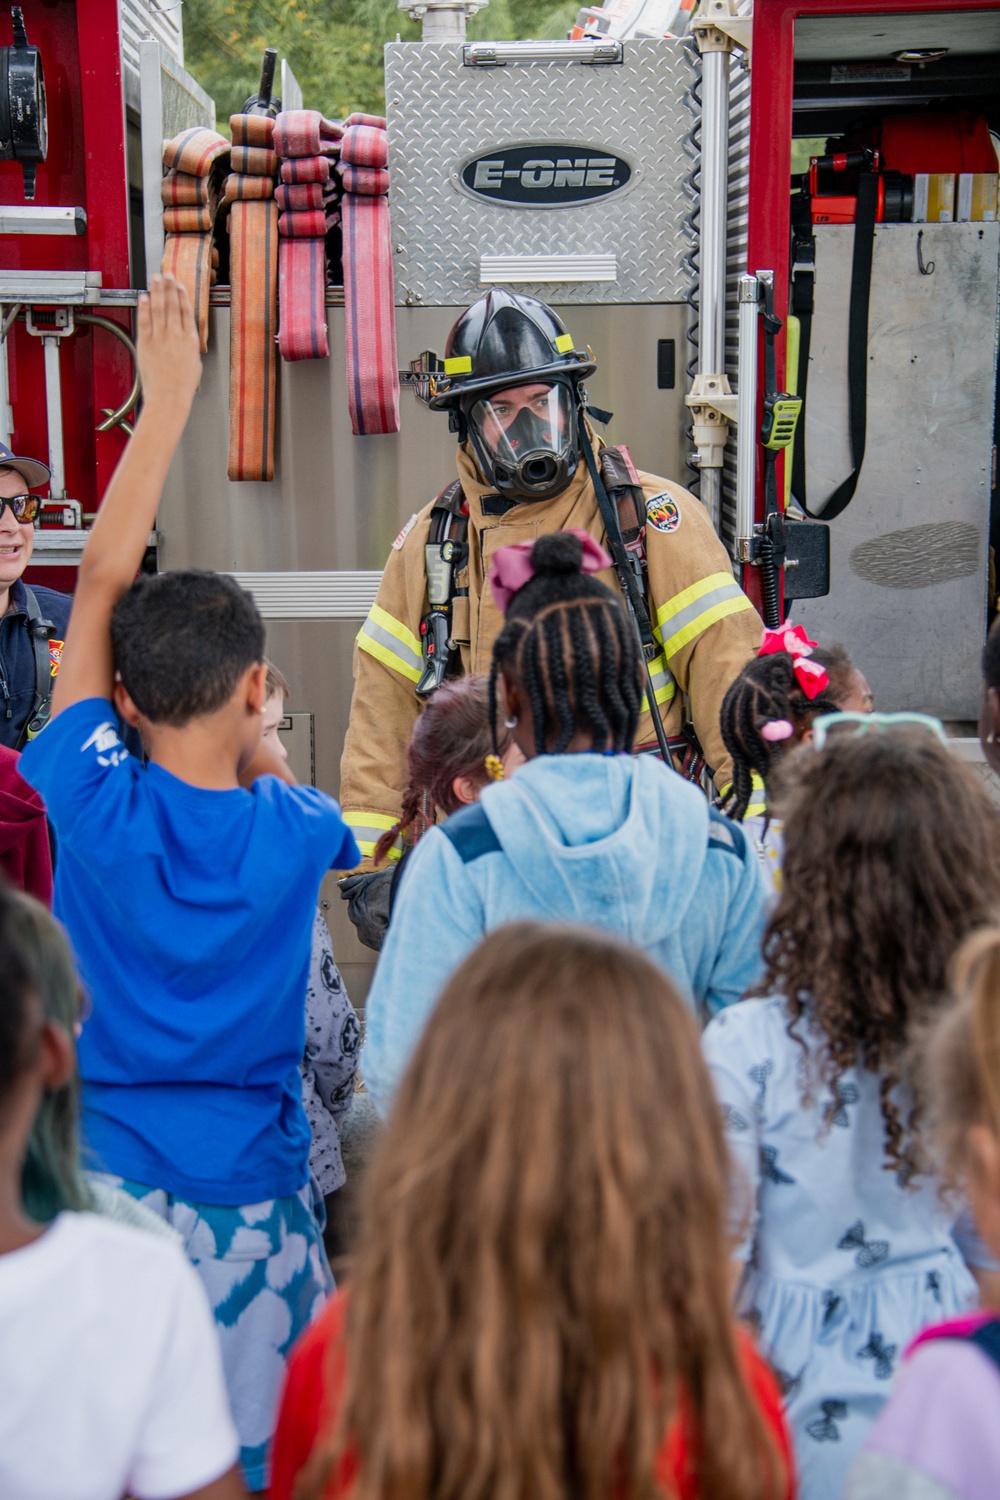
x: 663, y: 512
x: 55, y: 657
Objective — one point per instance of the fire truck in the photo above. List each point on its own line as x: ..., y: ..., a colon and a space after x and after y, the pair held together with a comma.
x: 776, y: 225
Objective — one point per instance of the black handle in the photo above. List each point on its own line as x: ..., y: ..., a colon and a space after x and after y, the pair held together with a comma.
x: 267, y: 77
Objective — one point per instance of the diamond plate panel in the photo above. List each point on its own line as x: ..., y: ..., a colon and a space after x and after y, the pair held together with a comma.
x: 441, y: 113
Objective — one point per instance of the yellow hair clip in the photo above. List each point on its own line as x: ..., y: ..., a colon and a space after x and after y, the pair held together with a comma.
x: 494, y: 767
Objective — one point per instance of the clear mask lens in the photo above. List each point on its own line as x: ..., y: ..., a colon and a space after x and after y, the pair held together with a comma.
x: 514, y: 424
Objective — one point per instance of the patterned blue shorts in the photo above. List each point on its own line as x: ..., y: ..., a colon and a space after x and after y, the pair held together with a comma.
x: 267, y: 1276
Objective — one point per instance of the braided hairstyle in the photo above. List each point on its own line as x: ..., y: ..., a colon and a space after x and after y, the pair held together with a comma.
x: 765, y: 690
x: 452, y: 737
x: 567, y: 644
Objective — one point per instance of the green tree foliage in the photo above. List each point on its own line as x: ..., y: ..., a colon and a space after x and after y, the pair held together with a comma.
x: 334, y: 47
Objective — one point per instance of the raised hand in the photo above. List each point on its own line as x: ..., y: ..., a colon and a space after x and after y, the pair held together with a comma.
x: 168, y: 350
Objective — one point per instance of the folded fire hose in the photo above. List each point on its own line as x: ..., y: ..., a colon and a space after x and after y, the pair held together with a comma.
x: 306, y: 145
x: 196, y: 162
x: 253, y: 260
x: 329, y: 175
x: 372, y: 369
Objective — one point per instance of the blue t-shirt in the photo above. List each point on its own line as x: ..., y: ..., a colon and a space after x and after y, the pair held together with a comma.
x: 191, y: 914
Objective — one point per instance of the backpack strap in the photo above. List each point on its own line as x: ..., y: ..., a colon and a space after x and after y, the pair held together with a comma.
x: 41, y: 632
x: 445, y: 554
x: 988, y: 1339
x: 979, y: 1328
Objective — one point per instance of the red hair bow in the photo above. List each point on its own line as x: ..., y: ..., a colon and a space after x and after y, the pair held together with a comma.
x: 811, y: 677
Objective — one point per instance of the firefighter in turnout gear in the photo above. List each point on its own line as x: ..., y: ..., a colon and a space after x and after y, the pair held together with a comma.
x: 512, y: 383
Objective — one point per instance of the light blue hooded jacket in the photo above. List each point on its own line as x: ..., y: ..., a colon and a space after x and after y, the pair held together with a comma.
x: 615, y: 842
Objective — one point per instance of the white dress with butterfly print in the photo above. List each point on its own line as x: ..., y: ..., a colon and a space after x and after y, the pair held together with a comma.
x: 844, y: 1263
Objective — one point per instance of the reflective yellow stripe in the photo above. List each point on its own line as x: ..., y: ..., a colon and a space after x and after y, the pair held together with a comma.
x: 564, y: 342
x: 391, y: 643
x: 664, y: 686
x: 692, y: 611
x: 368, y: 828
x: 757, y: 806
x: 460, y: 365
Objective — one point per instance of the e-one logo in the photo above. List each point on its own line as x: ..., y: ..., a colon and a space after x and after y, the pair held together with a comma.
x: 544, y: 176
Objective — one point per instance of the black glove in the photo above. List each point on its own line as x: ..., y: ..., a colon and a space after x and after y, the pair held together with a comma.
x: 369, y: 898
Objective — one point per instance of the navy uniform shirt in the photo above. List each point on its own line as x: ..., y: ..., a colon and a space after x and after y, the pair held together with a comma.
x: 17, y: 655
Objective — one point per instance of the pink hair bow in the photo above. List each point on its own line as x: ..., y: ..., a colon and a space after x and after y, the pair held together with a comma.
x: 811, y: 677
x: 511, y: 567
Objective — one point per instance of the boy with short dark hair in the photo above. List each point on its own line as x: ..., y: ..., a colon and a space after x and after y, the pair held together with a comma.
x: 188, y: 889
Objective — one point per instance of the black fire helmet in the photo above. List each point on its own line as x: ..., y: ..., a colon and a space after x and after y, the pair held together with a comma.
x: 502, y: 340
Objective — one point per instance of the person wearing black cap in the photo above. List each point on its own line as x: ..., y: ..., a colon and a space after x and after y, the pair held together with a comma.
x: 33, y: 619
x: 512, y: 383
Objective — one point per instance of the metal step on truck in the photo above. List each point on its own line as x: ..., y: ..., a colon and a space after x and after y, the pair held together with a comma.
x: 776, y: 225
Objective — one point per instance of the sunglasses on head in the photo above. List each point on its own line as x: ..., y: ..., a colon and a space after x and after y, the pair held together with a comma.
x: 22, y: 507
x: 845, y: 726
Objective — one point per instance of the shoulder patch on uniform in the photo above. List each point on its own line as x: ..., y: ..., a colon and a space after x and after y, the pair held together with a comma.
x: 662, y: 512
x: 724, y: 834
x: 397, y: 544
x: 470, y: 833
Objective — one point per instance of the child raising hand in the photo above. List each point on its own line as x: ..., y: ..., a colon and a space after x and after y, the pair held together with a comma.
x: 188, y: 888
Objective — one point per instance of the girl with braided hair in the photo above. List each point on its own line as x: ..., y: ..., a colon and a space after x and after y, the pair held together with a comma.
x: 768, y: 710
x: 585, y: 832
x: 891, y: 859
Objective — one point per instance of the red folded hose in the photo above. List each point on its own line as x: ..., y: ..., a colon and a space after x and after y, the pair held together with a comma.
x: 372, y: 366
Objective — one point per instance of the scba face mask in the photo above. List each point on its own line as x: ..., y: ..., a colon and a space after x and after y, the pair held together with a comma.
x: 526, y: 440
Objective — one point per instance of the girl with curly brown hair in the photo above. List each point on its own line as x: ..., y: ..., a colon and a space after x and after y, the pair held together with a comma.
x: 891, y: 859
x: 539, y: 1305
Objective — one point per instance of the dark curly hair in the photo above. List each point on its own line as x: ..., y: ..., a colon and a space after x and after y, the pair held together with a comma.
x: 568, y: 644
x: 766, y: 689
x: 891, y: 859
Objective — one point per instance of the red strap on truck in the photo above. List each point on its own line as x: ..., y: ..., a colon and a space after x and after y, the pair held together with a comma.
x: 372, y: 367
x: 307, y: 143
x: 253, y: 256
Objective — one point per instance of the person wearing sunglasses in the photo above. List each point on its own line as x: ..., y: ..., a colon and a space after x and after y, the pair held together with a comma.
x: 33, y: 619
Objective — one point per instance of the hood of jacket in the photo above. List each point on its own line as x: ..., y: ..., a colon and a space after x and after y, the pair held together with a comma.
x: 616, y: 836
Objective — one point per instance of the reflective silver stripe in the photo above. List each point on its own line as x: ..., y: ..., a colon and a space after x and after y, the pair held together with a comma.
x: 676, y: 630
x: 664, y: 685
x: 391, y: 649
x: 661, y: 674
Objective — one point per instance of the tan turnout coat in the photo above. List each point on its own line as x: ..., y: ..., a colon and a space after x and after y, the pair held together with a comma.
x: 705, y: 625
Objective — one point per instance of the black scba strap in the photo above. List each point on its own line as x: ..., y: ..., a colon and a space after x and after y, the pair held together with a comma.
x: 631, y: 575
x: 803, y: 288
x: 446, y: 553
x: 41, y: 632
